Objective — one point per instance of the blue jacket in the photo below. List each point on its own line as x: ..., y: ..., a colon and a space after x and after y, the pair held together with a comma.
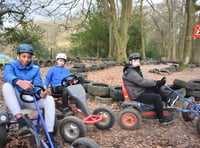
x: 14, y: 71
x: 55, y: 75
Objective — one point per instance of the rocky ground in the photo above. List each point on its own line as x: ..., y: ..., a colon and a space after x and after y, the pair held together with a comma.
x: 179, y: 134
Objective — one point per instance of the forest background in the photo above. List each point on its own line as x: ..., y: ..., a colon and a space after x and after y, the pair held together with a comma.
x: 102, y: 28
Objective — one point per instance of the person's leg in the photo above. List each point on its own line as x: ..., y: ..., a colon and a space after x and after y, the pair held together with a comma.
x: 62, y: 90
x: 48, y: 105
x: 11, y: 97
x: 163, y: 95
x: 152, y: 98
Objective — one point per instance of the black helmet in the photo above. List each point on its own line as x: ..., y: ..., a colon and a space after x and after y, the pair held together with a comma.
x: 25, y: 48
x: 135, y: 55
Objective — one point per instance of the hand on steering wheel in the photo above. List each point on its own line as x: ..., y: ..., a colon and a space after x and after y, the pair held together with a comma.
x: 69, y: 80
x: 31, y: 93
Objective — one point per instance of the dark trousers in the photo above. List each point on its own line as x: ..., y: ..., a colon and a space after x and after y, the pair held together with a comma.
x: 155, y: 97
x: 63, y: 90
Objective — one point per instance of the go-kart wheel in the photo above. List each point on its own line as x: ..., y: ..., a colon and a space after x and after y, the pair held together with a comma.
x: 71, y: 128
x: 130, y: 119
x: 198, y: 126
x: 3, y: 135
x: 188, y: 116
x: 84, y: 142
x: 108, y: 117
x: 34, y: 140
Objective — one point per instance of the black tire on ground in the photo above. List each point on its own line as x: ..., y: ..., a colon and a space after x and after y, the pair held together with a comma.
x: 71, y: 128
x: 198, y: 126
x: 108, y: 117
x: 85, y: 143
x: 187, y: 116
x: 3, y: 135
x: 34, y: 140
x: 195, y: 84
x: 195, y: 93
x: 129, y: 119
x: 182, y: 83
x: 55, y: 128
x: 99, y: 89
x: 116, y: 93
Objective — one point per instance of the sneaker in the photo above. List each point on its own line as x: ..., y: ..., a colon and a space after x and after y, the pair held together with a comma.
x: 24, y: 130
x: 166, y: 120
x: 173, y: 98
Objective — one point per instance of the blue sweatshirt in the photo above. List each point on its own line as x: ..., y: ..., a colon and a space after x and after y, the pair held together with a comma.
x: 55, y: 75
x: 14, y: 71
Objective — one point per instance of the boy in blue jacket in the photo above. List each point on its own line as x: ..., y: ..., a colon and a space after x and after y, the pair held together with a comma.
x: 20, y: 75
x: 55, y: 76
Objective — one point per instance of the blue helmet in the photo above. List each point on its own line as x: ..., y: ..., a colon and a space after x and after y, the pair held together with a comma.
x: 25, y: 48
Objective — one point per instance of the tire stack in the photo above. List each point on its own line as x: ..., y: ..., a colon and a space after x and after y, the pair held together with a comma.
x: 192, y: 88
x: 102, y: 92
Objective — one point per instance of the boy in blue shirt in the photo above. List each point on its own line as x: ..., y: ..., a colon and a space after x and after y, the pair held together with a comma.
x: 55, y: 76
x: 20, y: 75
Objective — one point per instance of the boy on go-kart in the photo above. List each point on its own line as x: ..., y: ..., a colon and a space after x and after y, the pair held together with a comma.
x: 20, y: 75
x: 55, y: 76
x: 145, y: 90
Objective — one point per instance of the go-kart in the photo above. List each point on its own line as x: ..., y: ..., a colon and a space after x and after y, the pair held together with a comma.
x: 130, y: 117
x: 36, y: 138
x: 73, y: 127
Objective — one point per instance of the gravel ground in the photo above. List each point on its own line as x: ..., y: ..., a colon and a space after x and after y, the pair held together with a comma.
x: 179, y: 134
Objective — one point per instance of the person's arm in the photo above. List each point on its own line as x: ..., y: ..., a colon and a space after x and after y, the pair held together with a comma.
x: 134, y: 77
x: 48, y: 78
x: 10, y: 77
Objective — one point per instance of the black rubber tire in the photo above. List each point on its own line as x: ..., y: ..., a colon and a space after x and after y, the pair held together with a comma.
x: 108, y: 115
x: 198, y: 126
x: 99, y: 89
x: 55, y: 128
x: 187, y: 116
x: 34, y: 140
x: 195, y: 84
x: 116, y: 93
x: 3, y: 135
x: 129, y: 119
x: 182, y: 83
x: 85, y: 143
x: 71, y: 128
x: 195, y: 93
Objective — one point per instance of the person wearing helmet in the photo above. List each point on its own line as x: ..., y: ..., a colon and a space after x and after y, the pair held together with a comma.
x: 145, y: 90
x: 54, y: 77
x: 20, y: 75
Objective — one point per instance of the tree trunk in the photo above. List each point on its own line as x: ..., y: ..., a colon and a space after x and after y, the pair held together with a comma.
x: 142, y: 31
x: 118, y: 29
x: 190, y: 10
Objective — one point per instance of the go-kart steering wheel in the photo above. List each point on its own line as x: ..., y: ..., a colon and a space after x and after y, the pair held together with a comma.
x: 68, y: 80
x: 32, y: 93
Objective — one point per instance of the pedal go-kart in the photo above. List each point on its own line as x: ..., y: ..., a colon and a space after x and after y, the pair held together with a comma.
x: 130, y: 117
x: 36, y: 138
x: 73, y: 127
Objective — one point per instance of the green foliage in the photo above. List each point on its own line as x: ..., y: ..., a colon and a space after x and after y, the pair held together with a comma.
x: 152, y: 51
x: 134, y: 31
x: 29, y: 33
x: 92, y: 37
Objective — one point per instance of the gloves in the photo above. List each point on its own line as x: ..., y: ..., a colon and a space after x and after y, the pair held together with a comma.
x: 161, y: 82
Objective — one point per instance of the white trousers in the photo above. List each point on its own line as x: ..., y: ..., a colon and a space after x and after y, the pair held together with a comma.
x: 15, y: 104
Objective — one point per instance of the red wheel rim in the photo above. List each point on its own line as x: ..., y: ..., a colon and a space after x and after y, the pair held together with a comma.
x: 129, y: 119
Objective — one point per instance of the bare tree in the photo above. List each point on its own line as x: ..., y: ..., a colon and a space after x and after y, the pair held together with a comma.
x: 118, y: 26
